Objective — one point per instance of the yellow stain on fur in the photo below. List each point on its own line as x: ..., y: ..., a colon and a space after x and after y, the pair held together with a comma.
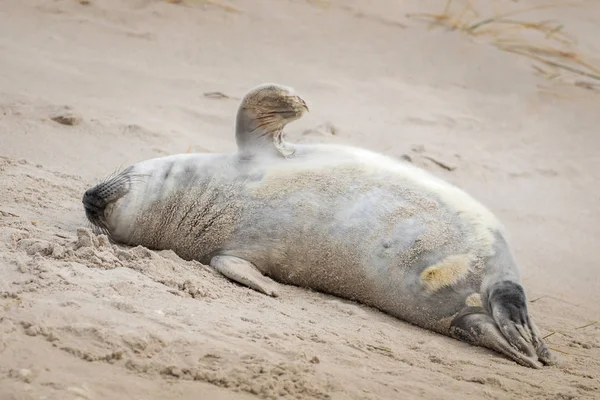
x: 474, y: 300
x: 446, y: 273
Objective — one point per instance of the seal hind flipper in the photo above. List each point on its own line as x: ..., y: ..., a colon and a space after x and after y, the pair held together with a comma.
x: 504, y: 302
x: 474, y: 326
x: 244, y: 273
x: 508, y: 307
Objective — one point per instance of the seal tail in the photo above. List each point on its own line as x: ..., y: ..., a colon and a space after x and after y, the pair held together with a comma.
x: 503, y: 322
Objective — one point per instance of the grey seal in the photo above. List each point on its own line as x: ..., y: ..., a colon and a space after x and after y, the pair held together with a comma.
x: 337, y: 219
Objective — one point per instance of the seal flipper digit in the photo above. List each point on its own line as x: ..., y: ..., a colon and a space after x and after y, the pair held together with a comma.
x: 474, y: 326
x: 507, y: 305
x: 244, y: 273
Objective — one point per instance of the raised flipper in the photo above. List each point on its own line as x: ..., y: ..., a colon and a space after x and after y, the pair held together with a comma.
x: 244, y: 273
x: 263, y: 113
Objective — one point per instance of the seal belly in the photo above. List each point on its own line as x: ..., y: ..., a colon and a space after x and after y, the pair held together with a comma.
x: 353, y: 244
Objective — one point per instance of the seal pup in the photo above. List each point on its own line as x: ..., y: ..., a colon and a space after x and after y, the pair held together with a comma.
x: 263, y: 113
x: 336, y: 219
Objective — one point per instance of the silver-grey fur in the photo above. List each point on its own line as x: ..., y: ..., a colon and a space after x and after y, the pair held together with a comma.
x: 335, y: 219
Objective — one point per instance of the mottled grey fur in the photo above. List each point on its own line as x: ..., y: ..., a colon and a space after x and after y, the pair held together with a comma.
x: 335, y: 219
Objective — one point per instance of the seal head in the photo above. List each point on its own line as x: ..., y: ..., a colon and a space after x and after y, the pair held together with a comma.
x: 100, y: 200
x: 263, y: 113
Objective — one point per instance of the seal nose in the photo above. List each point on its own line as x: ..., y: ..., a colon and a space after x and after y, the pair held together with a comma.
x: 93, y: 204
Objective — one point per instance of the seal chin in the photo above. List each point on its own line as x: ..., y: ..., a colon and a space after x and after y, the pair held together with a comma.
x: 98, y: 201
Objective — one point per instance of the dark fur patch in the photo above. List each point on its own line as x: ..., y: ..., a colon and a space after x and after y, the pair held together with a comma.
x: 509, y: 296
x: 167, y: 173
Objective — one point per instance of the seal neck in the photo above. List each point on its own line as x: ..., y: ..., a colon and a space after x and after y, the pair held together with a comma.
x: 252, y: 136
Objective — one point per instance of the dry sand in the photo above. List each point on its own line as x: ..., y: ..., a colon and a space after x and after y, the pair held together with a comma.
x: 81, y: 319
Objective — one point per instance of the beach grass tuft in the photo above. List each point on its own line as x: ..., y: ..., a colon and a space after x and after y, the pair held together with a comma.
x: 545, y: 42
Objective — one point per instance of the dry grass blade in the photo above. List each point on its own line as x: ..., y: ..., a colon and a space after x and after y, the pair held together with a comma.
x: 550, y: 29
x: 7, y: 214
x: 546, y: 73
x: 531, y: 53
x: 553, y: 332
x: 215, y: 3
x: 381, y: 348
x: 556, y: 52
x: 219, y: 95
x: 515, y: 12
x: 224, y: 6
x: 468, y: 7
x: 437, y: 18
x: 553, y: 298
x: 440, y: 164
x: 426, y: 16
x: 590, y: 324
x: 569, y: 354
x: 548, y: 335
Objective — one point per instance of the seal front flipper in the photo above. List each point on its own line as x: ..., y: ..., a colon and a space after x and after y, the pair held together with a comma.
x: 244, y: 273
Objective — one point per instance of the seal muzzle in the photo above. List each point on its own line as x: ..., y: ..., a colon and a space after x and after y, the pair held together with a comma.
x: 96, y: 199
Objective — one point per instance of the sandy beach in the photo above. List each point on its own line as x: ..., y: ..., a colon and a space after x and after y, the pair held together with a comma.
x: 502, y: 104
